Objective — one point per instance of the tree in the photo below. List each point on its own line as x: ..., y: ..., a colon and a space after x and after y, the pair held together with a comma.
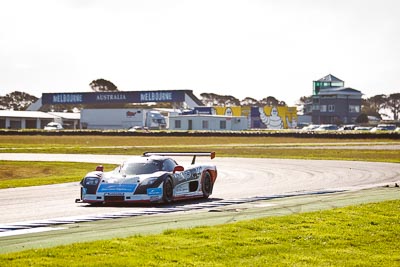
x: 102, y: 85
x: 304, y: 104
x: 369, y: 108
x: 393, y: 104
x: 211, y: 99
x: 374, y: 106
x: 229, y: 100
x: 304, y: 100
x: 249, y: 101
x: 17, y: 101
x: 376, y: 103
x: 362, y: 118
x: 271, y: 101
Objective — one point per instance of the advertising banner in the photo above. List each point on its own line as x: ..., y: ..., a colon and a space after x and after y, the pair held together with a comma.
x: 269, y: 117
x: 114, y: 97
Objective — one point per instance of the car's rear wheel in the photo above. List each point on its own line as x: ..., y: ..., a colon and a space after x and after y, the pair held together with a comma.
x: 168, y: 190
x: 207, y: 185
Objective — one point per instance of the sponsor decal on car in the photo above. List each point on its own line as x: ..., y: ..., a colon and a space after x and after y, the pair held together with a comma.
x: 182, y: 188
x: 117, y: 188
x: 188, y: 175
x: 154, y: 191
x: 114, y: 194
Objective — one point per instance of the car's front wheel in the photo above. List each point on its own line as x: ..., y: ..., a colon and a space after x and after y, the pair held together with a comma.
x: 168, y: 190
x: 207, y: 185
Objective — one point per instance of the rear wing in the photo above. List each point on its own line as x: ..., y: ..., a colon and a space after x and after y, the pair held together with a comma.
x: 194, y: 154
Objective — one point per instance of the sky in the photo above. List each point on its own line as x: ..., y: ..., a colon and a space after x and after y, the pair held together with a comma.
x: 243, y: 48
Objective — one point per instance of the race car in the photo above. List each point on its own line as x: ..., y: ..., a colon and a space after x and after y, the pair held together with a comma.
x: 152, y: 177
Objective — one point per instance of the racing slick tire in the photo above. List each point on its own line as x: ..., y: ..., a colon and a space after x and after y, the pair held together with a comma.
x: 168, y: 190
x: 206, y: 185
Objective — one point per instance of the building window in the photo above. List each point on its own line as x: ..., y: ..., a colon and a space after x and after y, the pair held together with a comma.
x: 331, y: 108
x: 323, y: 108
x: 15, y: 124
x: 354, y: 108
x: 329, y: 96
x: 315, y: 107
x: 222, y: 124
x: 205, y: 124
x: 178, y: 124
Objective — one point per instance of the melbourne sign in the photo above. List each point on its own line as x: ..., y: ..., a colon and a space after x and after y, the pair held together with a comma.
x: 114, y: 97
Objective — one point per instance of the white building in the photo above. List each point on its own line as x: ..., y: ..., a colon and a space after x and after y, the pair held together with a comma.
x: 10, y: 119
x: 207, y: 122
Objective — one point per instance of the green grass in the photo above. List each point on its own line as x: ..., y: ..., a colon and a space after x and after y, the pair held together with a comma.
x: 39, y: 141
x: 27, y: 173
x: 315, y: 154
x: 365, y: 235
x: 257, y: 147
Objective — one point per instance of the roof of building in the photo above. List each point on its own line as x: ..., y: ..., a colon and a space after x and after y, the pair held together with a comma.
x: 340, y: 90
x: 26, y: 114
x: 39, y: 114
x: 330, y: 78
x: 67, y: 115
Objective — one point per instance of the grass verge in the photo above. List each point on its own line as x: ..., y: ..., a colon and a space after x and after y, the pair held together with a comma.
x: 258, y: 147
x: 28, y: 173
x: 248, y: 152
x: 364, y: 235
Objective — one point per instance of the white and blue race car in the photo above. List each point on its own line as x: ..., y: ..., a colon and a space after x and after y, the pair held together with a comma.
x: 153, y: 177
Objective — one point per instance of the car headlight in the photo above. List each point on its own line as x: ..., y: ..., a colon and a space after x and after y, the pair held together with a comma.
x: 91, y: 181
x: 149, y: 181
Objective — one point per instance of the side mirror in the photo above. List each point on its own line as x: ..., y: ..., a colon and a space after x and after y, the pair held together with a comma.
x: 99, y: 168
x: 178, y: 168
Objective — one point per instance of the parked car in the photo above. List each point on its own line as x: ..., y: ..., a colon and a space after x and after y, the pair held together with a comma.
x: 137, y: 128
x: 384, y: 127
x: 347, y: 127
x: 327, y: 127
x: 310, y: 127
x: 52, y: 126
x: 363, y: 128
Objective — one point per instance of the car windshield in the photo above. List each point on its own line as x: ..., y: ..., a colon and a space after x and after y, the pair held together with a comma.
x: 141, y: 167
